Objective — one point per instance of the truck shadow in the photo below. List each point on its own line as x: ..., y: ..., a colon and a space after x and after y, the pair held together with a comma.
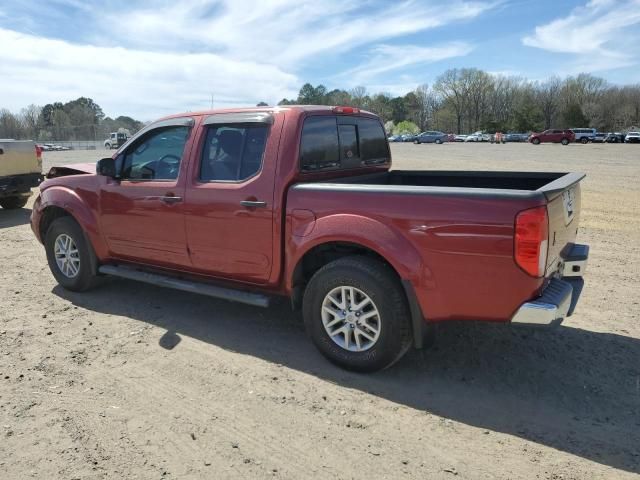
x: 13, y: 218
x: 574, y: 390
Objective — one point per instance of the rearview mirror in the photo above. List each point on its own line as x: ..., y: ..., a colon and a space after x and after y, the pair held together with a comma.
x: 106, y: 167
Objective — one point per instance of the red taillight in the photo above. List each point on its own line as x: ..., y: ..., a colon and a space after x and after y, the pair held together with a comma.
x: 532, y: 240
x: 346, y: 110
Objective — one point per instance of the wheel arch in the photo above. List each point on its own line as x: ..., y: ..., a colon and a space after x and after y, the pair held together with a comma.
x: 327, y: 249
x: 57, y: 202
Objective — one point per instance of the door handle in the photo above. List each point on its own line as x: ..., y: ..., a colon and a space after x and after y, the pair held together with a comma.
x: 253, y: 204
x: 170, y: 199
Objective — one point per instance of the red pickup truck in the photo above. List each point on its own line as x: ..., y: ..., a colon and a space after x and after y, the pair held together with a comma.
x: 300, y: 201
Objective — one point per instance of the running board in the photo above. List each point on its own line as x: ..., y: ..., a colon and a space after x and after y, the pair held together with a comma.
x: 160, y: 280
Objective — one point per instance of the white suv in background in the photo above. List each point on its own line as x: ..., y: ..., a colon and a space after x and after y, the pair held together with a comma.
x: 632, y: 137
x: 584, y: 135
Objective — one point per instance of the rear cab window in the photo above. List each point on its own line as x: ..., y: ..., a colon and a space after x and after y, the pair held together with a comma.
x: 342, y: 142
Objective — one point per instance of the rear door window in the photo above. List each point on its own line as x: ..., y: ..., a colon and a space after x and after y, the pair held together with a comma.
x: 232, y: 153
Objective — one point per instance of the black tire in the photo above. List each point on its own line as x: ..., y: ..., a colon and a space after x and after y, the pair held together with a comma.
x: 438, y: 141
x: 536, y: 141
x: 564, y: 141
x: 107, y: 146
x: 381, y: 285
x: 584, y: 140
x: 86, y: 276
x: 13, y: 203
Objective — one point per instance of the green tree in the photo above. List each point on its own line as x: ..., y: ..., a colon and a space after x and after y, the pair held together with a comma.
x: 574, y: 117
x: 406, y: 127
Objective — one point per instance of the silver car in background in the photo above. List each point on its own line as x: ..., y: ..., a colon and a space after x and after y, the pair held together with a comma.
x: 431, y: 137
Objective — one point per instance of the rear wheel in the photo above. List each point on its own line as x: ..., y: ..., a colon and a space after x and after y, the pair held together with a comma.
x: 536, y: 141
x: 70, y: 256
x: 438, y: 141
x: 565, y: 141
x: 12, y: 203
x: 357, y: 315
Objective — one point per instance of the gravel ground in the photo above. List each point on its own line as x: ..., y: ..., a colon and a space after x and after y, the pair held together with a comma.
x: 133, y: 381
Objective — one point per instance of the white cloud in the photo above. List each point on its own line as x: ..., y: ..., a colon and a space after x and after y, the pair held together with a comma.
x: 286, y: 32
x: 143, y: 60
x: 132, y: 82
x: 597, y: 35
x: 387, y: 58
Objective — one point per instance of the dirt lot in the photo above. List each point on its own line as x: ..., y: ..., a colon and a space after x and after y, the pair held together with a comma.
x: 133, y: 381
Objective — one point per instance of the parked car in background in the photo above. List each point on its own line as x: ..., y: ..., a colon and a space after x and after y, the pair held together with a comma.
x: 460, y: 138
x: 565, y: 137
x: 303, y: 220
x: 516, y: 137
x: 478, y: 137
x: 632, y: 137
x: 584, y: 135
x: 599, y: 137
x: 431, y: 137
x: 20, y: 171
x: 616, y: 137
x: 394, y: 138
x: 409, y: 137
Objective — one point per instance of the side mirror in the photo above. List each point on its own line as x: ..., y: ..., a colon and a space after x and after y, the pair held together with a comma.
x: 106, y: 167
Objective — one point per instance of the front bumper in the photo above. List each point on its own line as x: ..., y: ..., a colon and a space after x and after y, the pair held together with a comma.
x: 560, y: 297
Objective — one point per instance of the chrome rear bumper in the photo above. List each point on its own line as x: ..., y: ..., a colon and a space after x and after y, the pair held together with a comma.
x: 561, y: 295
x: 551, y: 307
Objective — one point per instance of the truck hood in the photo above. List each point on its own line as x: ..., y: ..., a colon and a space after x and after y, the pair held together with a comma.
x: 72, y: 169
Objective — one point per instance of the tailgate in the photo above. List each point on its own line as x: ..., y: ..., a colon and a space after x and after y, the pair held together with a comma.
x: 18, y: 158
x: 564, y: 217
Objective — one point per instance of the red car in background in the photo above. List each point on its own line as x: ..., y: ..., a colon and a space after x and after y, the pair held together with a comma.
x: 565, y: 137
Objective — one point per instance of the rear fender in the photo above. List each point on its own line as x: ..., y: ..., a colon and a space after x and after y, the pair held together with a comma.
x: 370, y: 233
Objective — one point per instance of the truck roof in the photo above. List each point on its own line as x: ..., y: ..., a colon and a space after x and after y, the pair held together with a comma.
x: 275, y: 109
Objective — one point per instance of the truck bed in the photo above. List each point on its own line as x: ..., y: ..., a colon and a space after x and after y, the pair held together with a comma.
x: 461, y: 224
x: 509, y: 184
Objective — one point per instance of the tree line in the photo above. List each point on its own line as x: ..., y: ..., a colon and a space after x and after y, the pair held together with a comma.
x: 460, y: 100
x: 468, y: 99
x: 80, y: 119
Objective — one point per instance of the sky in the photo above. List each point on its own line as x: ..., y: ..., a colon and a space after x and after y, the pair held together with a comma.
x: 146, y: 59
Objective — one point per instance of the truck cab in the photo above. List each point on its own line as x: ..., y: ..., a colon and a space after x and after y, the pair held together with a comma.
x: 115, y: 140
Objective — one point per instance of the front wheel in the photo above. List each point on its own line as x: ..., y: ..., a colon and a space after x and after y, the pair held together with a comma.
x: 565, y: 141
x: 584, y: 140
x: 536, y: 141
x: 70, y: 255
x: 438, y: 141
x: 13, y: 203
x: 356, y: 313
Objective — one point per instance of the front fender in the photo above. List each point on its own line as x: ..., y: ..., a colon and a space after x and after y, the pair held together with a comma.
x: 82, y: 204
x: 384, y: 239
